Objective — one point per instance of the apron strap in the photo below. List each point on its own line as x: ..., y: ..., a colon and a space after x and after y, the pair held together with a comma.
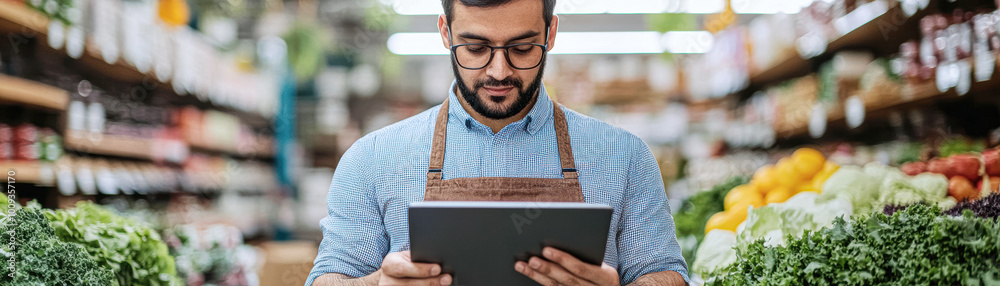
x: 438, y: 143
x: 441, y: 129
x: 562, y: 139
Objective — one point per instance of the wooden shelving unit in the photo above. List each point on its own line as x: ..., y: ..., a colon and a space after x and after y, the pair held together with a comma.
x: 882, y: 34
x: 259, y: 151
x: 31, y: 93
x: 17, y: 18
x: 911, y: 94
x: 25, y: 172
x: 110, y: 145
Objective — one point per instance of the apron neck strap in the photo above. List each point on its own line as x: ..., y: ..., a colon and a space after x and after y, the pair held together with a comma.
x: 562, y: 140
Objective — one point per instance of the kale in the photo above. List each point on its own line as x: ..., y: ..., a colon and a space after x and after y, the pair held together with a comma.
x: 132, y: 251
x: 40, y: 258
x: 914, y: 246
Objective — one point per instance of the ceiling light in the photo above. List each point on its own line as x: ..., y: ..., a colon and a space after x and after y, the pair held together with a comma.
x: 644, y: 42
x: 687, y: 42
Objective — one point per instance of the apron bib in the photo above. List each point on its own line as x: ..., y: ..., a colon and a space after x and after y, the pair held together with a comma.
x: 566, y: 189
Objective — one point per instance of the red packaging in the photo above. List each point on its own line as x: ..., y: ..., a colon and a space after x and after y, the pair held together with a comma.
x: 6, y: 150
x: 6, y: 133
x: 26, y: 151
x: 25, y: 133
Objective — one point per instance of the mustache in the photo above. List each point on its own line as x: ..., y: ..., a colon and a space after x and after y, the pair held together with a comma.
x: 510, y: 81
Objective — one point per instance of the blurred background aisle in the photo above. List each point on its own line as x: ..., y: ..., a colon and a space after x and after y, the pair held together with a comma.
x: 218, y: 124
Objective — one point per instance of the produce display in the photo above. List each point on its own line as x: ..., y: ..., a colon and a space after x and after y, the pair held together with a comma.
x: 690, y: 219
x: 804, y: 171
x: 211, y: 255
x: 970, y: 175
x: 878, y: 250
x: 134, y: 252
x: 87, y: 245
x: 844, y: 228
x: 40, y: 257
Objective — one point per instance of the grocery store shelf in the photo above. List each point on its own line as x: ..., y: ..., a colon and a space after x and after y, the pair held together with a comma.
x: 92, y: 61
x: 111, y: 145
x: 18, y: 18
x: 260, y: 151
x: 32, y: 93
x: 28, y: 172
x: 910, y: 94
x: 882, y: 34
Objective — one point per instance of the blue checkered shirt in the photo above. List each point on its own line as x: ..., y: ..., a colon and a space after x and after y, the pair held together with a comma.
x: 386, y: 170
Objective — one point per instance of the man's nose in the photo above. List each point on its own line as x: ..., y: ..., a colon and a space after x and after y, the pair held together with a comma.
x: 499, y: 68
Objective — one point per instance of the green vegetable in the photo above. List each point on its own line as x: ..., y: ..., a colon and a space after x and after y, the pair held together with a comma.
x: 874, y: 186
x: 40, y: 258
x: 900, y: 189
x: 716, y: 252
x: 694, y: 213
x: 774, y: 223
x: 854, y: 185
x: 957, y: 146
x: 134, y: 252
x: 915, y: 246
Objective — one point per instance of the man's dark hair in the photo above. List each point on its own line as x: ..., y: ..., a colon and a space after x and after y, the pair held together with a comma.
x: 449, y: 5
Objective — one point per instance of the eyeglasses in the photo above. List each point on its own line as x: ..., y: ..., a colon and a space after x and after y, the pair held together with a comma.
x: 523, y: 56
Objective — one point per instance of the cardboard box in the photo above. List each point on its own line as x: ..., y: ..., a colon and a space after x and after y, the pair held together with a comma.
x: 286, y: 263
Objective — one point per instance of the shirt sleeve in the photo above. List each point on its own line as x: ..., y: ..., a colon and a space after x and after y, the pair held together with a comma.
x: 646, y: 239
x: 354, y: 238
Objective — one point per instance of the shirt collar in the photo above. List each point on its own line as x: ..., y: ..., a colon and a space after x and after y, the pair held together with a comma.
x: 539, y: 114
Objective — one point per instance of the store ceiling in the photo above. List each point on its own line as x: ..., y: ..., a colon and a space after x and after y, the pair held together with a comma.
x: 567, y: 23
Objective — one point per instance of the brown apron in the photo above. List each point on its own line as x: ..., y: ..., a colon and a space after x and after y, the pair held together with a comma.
x: 566, y: 189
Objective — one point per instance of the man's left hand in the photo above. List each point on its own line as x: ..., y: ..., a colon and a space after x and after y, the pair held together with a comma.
x: 560, y: 268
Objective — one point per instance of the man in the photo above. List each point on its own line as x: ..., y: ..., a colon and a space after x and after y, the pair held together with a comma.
x: 502, y: 131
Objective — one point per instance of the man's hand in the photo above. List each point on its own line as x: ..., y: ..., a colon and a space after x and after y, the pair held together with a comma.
x: 398, y: 269
x: 560, y: 268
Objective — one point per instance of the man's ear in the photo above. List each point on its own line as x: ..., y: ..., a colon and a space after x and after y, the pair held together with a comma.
x: 553, y: 28
x: 443, y: 29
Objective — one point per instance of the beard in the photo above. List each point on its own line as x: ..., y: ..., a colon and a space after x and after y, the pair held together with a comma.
x: 525, y: 95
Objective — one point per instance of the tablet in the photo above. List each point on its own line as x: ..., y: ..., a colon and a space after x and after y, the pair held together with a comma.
x: 478, y: 242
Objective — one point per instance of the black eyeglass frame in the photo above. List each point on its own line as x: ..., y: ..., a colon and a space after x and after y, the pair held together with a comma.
x: 506, y: 52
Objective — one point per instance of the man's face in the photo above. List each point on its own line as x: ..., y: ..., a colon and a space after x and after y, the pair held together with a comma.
x: 499, y: 90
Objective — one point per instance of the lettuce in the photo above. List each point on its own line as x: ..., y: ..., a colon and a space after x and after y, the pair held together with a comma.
x: 132, y: 251
x: 854, y: 185
x: 716, y: 252
x: 773, y: 224
x: 874, y: 186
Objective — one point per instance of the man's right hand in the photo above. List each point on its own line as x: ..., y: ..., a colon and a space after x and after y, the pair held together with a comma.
x: 399, y: 269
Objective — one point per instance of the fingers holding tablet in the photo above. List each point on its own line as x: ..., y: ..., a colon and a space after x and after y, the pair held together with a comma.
x: 399, y: 269
x: 561, y: 268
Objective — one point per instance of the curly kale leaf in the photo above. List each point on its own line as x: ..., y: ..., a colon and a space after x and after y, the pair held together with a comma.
x: 915, y: 246
x: 39, y: 258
